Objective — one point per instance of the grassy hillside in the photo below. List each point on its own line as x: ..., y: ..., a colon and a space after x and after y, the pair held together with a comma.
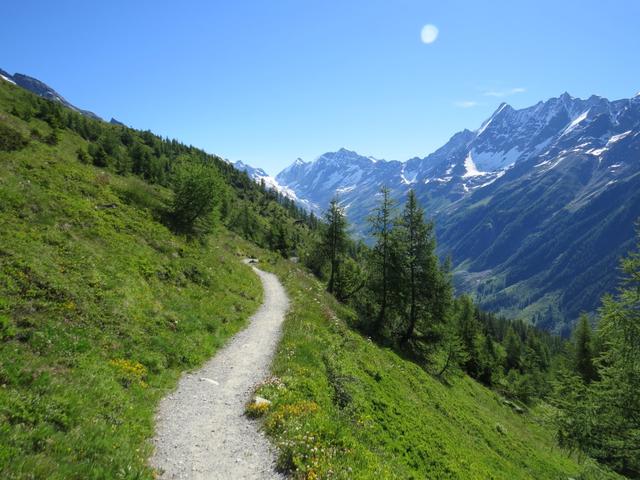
x: 345, y: 408
x: 101, y: 309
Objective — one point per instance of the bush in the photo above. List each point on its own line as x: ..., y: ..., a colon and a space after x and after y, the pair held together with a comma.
x: 98, y: 155
x: 53, y: 138
x: 196, y: 189
x: 11, y: 139
x: 83, y: 156
x: 7, y: 330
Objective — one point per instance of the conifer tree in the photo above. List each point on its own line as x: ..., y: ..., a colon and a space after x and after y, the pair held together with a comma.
x: 382, y: 223
x: 513, y: 348
x: 426, y: 291
x: 335, y: 241
x: 583, y: 349
x: 616, y: 394
x: 488, y: 361
x: 469, y: 331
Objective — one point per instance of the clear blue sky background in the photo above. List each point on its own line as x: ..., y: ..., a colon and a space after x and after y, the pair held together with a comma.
x: 268, y: 81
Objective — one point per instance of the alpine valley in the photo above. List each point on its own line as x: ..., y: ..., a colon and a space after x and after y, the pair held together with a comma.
x: 535, y: 207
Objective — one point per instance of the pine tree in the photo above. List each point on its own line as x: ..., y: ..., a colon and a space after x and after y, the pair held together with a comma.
x: 469, y: 330
x: 382, y: 223
x: 616, y: 394
x: 334, y: 242
x: 513, y: 348
x: 426, y: 291
x: 583, y: 350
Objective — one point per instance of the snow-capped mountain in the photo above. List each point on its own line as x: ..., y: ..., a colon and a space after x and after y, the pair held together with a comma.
x: 335, y: 173
x: 525, y: 203
x: 260, y: 176
x: 43, y: 90
x: 471, y: 159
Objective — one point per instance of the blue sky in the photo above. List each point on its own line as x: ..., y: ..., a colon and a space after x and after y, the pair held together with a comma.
x: 268, y: 81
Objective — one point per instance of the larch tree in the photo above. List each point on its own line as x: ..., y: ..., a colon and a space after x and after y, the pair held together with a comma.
x: 513, y: 349
x: 424, y: 285
x: 382, y: 223
x: 469, y: 331
x: 583, y: 349
x: 616, y: 394
x: 335, y: 241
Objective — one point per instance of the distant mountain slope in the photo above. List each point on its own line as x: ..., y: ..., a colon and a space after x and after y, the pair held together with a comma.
x: 43, y: 90
x: 260, y: 176
x: 534, y: 206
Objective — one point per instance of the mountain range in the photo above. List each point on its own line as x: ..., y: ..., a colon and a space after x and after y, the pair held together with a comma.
x: 534, y: 207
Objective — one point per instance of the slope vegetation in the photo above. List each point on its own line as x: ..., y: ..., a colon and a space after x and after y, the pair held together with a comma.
x: 101, y: 309
x: 345, y: 408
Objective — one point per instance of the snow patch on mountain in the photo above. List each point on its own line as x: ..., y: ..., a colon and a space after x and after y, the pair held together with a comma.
x: 7, y: 79
x: 490, y: 161
x: 486, y: 123
x: 613, y: 139
x: 486, y: 184
x: 617, y: 138
x: 408, y: 178
x: 577, y: 121
x: 471, y: 169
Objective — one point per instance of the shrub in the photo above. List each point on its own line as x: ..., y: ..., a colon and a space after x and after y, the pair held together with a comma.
x: 11, y: 139
x: 197, y: 189
x: 139, y: 193
x: 53, y: 138
x: 7, y: 330
x: 83, y: 156
x: 130, y: 372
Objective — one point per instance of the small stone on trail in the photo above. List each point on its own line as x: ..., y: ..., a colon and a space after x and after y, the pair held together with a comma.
x: 260, y: 401
x: 205, y: 379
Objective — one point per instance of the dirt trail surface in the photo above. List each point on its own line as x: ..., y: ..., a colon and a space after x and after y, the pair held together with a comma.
x: 201, y: 430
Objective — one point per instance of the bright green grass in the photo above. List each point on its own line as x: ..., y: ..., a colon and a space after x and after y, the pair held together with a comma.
x: 349, y: 409
x: 101, y: 309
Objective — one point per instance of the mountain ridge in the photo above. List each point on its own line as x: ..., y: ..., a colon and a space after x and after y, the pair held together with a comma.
x: 43, y: 90
x: 565, y: 161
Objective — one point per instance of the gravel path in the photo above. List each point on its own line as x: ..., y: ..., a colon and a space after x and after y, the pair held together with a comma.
x: 201, y: 430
